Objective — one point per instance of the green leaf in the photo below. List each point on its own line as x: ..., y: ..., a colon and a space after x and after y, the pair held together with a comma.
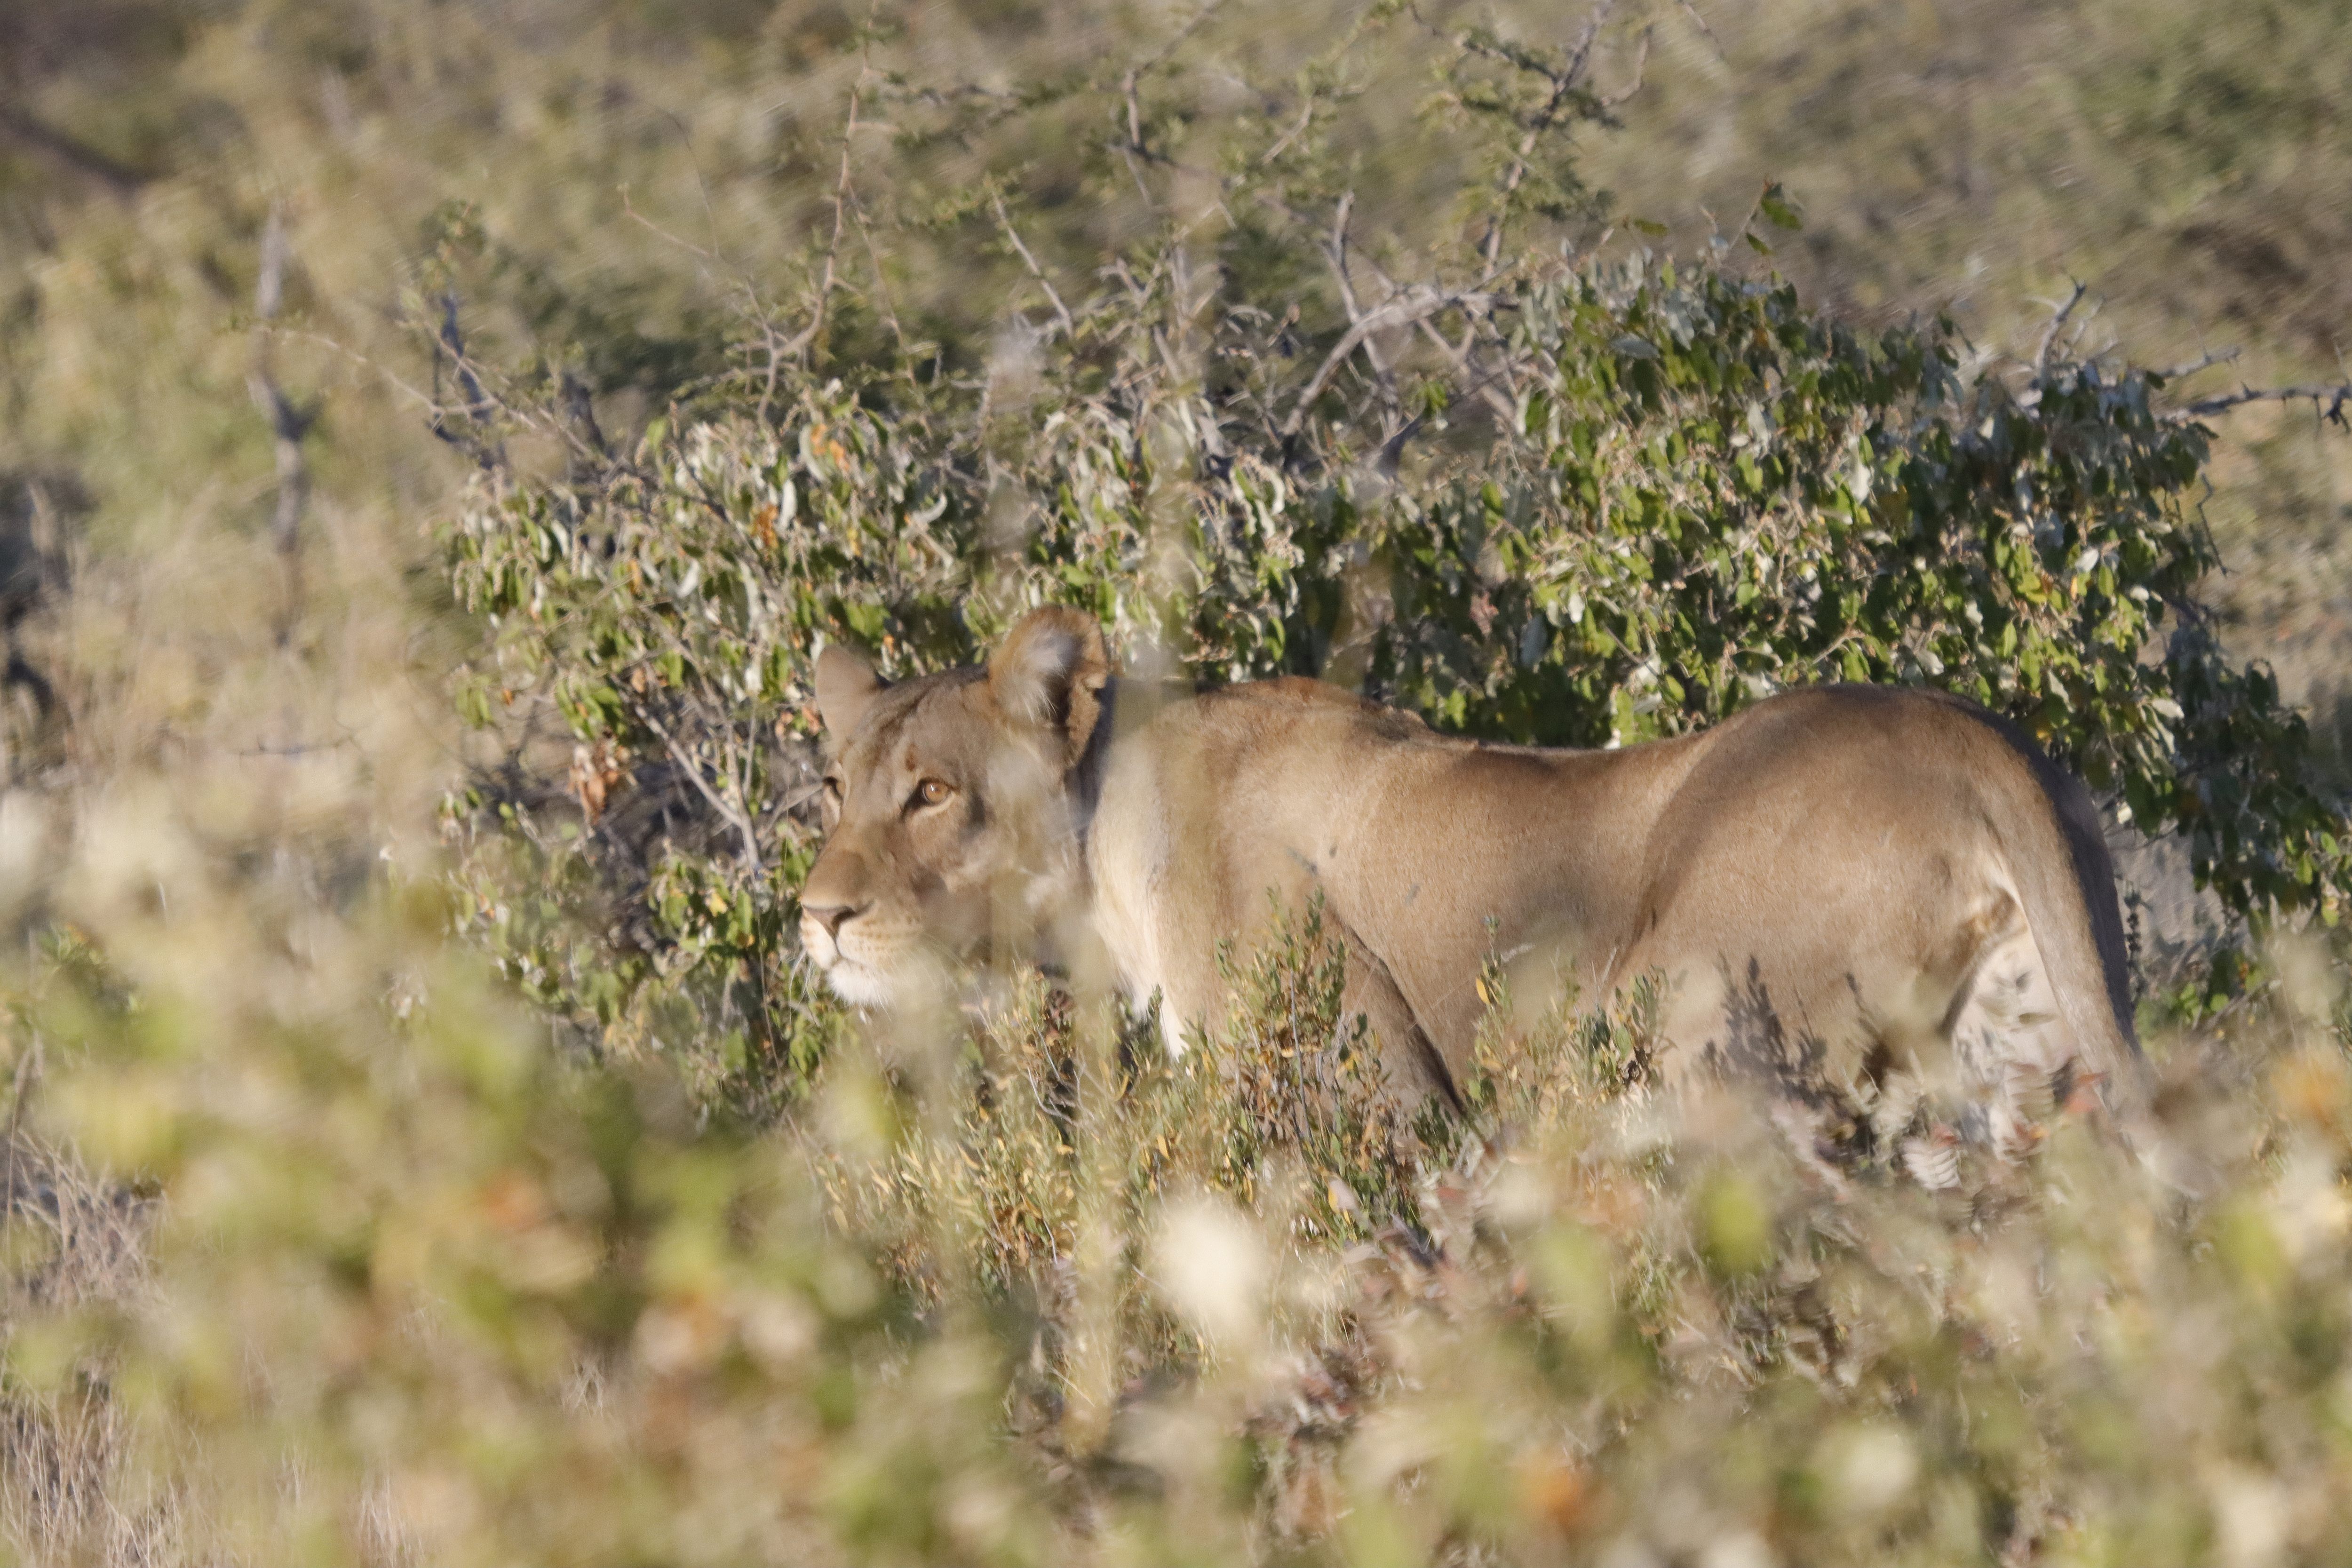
x: 1778, y: 209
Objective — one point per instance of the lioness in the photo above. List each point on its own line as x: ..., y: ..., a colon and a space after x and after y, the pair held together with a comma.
x: 1869, y: 885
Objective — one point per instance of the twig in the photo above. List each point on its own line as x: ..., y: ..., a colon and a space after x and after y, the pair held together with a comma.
x: 1415, y: 304
x: 1129, y: 83
x: 2057, y: 325
x: 28, y: 1072
x: 1567, y: 85
x: 301, y: 749
x: 1005, y: 221
x: 392, y: 378
x: 1176, y: 39
x: 1336, y: 249
x: 579, y: 407
x: 287, y: 425
x: 569, y: 431
x: 478, y: 402
x: 1133, y: 147
x: 2329, y: 402
x: 1480, y: 384
x: 2206, y: 363
x: 1641, y: 74
x: 1305, y: 119
x: 693, y: 771
x: 856, y: 207
x: 477, y: 406
x: 1704, y: 31
x: 694, y: 160
x: 800, y: 343
x: 629, y: 207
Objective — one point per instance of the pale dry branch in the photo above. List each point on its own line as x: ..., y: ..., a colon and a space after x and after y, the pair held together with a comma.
x: 1483, y: 385
x: 1004, y: 220
x: 690, y: 766
x: 1335, y: 250
x: 2204, y: 362
x: 1415, y: 304
x: 2057, y: 324
x: 288, y: 425
x: 1707, y: 32
x: 1632, y: 89
x: 800, y: 343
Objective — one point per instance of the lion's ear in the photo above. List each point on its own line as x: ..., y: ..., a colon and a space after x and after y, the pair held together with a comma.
x: 1050, y: 672
x: 846, y: 687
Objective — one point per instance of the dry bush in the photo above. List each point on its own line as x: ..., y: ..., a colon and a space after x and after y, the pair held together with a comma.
x: 425, y: 1291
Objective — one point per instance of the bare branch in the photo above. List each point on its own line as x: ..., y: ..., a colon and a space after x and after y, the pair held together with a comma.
x: 718, y: 803
x: 580, y: 409
x: 2206, y: 362
x: 449, y: 346
x: 1415, y: 304
x: 1176, y: 40
x: 1005, y: 221
x: 1305, y: 119
x: 630, y: 208
x: 1568, y: 84
x: 1133, y: 147
x: 287, y: 424
x: 2329, y: 402
x: 1705, y: 32
x: 1483, y: 384
x: 1336, y: 247
x: 2057, y: 325
x: 1641, y: 74
x: 799, y: 344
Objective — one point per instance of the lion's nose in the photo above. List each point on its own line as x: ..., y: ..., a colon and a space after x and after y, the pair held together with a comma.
x: 832, y: 917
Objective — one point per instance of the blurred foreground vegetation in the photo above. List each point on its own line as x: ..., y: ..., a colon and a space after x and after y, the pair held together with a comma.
x: 438, y: 435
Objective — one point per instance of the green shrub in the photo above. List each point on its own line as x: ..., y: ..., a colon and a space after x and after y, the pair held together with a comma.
x: 1702, y: 494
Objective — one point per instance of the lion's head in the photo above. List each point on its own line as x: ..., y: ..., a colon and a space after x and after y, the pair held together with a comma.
x: 951, y: 829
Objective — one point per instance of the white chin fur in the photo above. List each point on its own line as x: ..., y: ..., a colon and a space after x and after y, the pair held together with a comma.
x: 856, y: 984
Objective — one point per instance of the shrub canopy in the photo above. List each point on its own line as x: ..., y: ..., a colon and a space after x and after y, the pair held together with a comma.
x: 1501, y: 469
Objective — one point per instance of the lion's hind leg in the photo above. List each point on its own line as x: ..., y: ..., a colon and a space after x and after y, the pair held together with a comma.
x: 2017, y: 1059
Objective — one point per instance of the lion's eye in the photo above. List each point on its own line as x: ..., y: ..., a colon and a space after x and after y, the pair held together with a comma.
x: 932, y: 791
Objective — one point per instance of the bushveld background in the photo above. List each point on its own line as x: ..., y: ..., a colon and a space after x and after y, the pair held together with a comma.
x: 437, y: 436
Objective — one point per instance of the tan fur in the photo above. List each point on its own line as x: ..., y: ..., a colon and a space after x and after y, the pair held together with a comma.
x: 1885, y: 893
